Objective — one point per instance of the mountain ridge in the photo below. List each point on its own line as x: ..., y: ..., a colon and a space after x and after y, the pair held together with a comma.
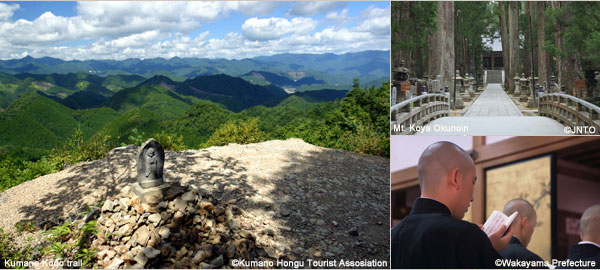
x: 338, y: 67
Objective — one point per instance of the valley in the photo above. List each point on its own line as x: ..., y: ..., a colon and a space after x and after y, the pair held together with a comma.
x: 52, y: 117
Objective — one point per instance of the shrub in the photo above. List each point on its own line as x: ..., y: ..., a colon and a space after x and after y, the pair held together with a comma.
x: 61, y: 246
x: 366, y: 141
x: 14, y: 171
x: 10, y: 252
x: 25, y: 226
x: 170, y: 141
x: 136, y: 138
x: 76, y: 150
x: 237, y: 131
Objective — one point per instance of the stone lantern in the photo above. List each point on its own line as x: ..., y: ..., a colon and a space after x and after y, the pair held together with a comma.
x: 466, y: 84
x: 472, y: 83
x: 458, y: 102
x: 523, y: 88
x: 516, y: 91
x: 532, y: 101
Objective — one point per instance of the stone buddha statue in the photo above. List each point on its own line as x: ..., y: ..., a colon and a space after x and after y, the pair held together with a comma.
x: 150, y: 164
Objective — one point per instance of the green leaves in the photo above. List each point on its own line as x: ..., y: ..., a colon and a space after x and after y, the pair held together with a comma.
x: 9, y: 252
x: 580, y: 22
x: 14, y: 170
x: 237, y: 131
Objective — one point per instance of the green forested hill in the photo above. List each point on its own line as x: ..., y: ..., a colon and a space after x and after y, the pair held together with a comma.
x: 264, y: 78
x: 36, y: 121
x: 68, y: 83
x: 199, y: 122
x: 84, y: 100
x: 12, y: 88
x: 154, y: 98
x: 235, y: 93
x: 39, y: 135
x: 75, y: 90
x: 141, y: 119
x: 55, y: 112
x: 39, y: 122
x: 277, y: 118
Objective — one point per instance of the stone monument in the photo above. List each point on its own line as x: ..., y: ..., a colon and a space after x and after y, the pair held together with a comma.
x: 458, y: 102
x: 531, y: 101
x: 466, y: 85
x: 523, y: 87
x: 516, y: 91
x: 472, y: 83
x: 150, y: 187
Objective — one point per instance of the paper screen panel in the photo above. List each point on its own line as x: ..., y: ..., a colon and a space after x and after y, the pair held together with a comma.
x: 529, y: 180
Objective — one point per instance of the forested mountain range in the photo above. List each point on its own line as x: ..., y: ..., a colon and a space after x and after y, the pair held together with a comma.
x: 328, y: 68
x: 55, y: 112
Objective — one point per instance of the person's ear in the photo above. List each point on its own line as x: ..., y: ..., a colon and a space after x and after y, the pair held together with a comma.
x: 455, y: 178
x: 523, y: 222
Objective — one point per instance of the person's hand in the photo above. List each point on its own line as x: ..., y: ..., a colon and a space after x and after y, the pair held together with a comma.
x: 500, y: 242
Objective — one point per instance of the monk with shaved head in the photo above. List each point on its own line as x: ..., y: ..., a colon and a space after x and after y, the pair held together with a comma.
x: 523, y: 227
x: 433, y: 234
x: 589, y: 247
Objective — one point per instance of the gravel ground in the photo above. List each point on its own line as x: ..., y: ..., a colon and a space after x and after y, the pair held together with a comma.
x: 321, y: 203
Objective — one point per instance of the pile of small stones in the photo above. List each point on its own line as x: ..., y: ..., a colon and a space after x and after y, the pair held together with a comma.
x: 183, y: 229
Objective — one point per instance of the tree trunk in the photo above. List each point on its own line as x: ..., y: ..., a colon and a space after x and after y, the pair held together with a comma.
x: 466, y: 55
x: 513, y: 40
x: 420, y: 62
x: 441, y: 44
x: 558, y: 43
x: 400, y: 17
x: 543, y: 56
x: 527, y: 43
x: 503, y: 21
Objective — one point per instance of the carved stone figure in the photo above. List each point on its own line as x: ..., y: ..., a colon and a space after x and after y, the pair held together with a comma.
x: 150, y: 164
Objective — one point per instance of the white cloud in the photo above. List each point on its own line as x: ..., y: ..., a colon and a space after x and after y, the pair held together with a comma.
x: 113, y: 19
x: 310, y: 8
x: 338, y: 18
x: 249, y: 8
x: 121, y: 30
x: 275, y: 28
x: 6, y: 11
x: 46, y: 29
x: 342, y: 35
x: 375, y: 20
x: 136, y: 40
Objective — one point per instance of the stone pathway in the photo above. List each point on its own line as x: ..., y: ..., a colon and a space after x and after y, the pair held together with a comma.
x: 493, y: 102
x: 495, y: 125
x: 494, y: 113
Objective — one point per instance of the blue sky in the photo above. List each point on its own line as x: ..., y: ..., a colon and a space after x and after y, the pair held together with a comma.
x: 233, y: 30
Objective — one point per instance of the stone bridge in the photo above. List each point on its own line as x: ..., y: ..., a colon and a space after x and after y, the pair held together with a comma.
x: 495, y: 113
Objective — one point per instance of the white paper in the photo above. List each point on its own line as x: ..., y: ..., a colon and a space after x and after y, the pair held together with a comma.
x: 496, y: 220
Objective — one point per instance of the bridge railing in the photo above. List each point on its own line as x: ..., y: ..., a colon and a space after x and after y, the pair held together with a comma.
x: 418, y: 111
x: 571, y: 111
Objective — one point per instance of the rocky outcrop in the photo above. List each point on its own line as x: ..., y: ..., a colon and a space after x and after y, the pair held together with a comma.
x: 288, y: 199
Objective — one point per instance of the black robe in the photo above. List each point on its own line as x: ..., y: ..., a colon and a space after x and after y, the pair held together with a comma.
x: 516, y: 251
x: 429, y: 237
x: 585, y: 252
